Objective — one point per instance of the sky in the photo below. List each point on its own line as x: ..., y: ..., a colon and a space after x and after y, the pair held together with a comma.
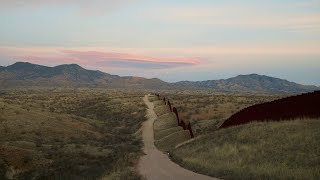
x: 172, y: 40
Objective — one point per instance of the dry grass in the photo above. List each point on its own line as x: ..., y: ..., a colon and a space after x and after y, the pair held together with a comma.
x: 70, y: 134
x: 167, y: 133
x: 205, y: 107
x: 161, y: 110
x: 170, y: 141
x: 159, y: 134
x: 204, y: 111
x: 274, y: 150
x: 152, y: 98
x: 166, y: 121
x: 158, y: 103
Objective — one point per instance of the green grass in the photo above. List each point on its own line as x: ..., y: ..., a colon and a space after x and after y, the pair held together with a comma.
x: 273, y: 150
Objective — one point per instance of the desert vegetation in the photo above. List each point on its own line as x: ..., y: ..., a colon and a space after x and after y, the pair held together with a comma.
x: 207, y: 111
x: 70, y: 133
x: 258, y: 150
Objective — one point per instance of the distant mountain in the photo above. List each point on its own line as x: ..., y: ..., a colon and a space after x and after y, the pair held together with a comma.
x: 22, y: 73
x: 73, y: 75
x: 249, y: 83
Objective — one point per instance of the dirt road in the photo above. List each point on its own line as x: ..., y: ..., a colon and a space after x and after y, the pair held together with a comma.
x: 156, y: 165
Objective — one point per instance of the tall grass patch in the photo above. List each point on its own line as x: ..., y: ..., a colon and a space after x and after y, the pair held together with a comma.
x: 273, y: 150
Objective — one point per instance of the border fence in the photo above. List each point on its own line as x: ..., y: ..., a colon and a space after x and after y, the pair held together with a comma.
x: 180, y: 122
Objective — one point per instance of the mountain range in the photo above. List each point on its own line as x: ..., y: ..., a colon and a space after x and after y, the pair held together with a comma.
x: 73, y: 75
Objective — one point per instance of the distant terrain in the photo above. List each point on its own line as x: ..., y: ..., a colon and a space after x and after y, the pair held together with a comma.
x: 73, y: 75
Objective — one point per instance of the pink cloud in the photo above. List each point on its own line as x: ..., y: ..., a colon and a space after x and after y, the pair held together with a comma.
x: 50, y: 59
x: 99, y: 55
x: 108, y: 59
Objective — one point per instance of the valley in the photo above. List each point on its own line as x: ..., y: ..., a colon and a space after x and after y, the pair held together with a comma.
x: 66, y: 122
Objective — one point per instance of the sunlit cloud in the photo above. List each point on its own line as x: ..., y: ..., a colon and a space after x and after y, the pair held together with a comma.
x: 98, y: 58
x: 100, y: 55
x: 185, y: 56
x: 165, y: 63
x: 189, y: 40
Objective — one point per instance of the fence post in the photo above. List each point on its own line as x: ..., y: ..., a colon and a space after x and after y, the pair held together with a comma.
x: 190, y: 130
x: 183, y: 124
x: 169, y: 104
x: 177, y: 115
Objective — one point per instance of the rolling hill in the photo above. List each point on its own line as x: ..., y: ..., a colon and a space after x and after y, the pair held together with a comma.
x: 249, y: 83
x: 73, y: 75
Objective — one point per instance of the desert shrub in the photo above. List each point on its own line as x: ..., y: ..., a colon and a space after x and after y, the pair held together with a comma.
x: 3, y: 169
x: 104, y: 143
x: 26, y: 159
x: 51, y: 109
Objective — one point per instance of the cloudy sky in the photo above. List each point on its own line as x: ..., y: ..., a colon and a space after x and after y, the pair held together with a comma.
x: 169, y: 39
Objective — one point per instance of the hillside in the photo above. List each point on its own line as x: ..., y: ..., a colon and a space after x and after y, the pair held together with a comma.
x: 70, y: 134
x: 259, y: 150
x: 27, y: 74
x: 82, y: 134
x: 73, y: 75
x: 249, y: 83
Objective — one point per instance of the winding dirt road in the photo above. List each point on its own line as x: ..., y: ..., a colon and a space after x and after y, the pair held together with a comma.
x: 156, y: 165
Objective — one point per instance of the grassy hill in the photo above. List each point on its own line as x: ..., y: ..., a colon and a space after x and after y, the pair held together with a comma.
x: 274, y: 150
x: 258, y: 150
x: 70, y: 134
x: 249, y: 83
x: 68, y: 75
x: 205, y: 112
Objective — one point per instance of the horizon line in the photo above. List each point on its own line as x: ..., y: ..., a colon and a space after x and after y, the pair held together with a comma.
x: 162, y: 79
